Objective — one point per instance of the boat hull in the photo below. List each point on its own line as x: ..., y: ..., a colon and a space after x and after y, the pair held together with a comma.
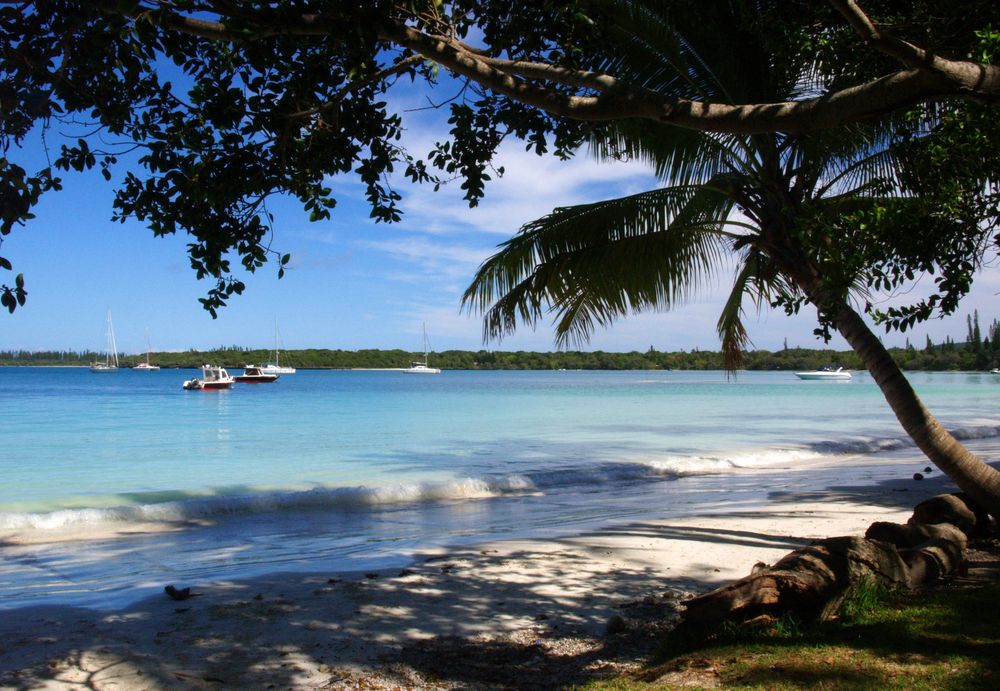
x: 196, y: 385
x: 824, y: 376
x: 257, y: 378
x: 272, y: 369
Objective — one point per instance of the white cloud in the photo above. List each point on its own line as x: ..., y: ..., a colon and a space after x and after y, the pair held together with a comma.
x: 442, y: 260
x: 530, y: 188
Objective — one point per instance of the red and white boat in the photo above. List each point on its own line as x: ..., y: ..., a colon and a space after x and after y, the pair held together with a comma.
x: 252, y: 374
x: 212, y: 378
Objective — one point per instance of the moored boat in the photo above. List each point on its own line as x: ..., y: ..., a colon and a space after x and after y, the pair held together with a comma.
x: 418, y: 367
x: 212, y: 378
x: 825, y: 372
x: 276, y: 367
x: 252, y: 374
x: 146, y: 366
x: 110, y: 363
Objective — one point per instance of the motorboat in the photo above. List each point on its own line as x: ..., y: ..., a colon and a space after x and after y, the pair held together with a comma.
x: 212, y: 378
x: 825, y: 373
x: 252, y: 374
x: 110, y: 363
x: 418, y: 367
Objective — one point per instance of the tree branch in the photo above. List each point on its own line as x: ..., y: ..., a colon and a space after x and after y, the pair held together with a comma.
x: 927, y: 78
x: 949, y: 79
x: 907, y: 53
x: 396, y: 68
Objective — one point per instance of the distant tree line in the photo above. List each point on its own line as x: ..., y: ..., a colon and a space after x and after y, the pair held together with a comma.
x: 979, y: 351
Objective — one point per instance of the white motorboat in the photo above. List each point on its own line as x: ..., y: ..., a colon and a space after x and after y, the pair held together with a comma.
x: 825, y: 373
x: 252, y: 374
x: 212, y: 378
x: 110, y: 363
x: 418, y: 367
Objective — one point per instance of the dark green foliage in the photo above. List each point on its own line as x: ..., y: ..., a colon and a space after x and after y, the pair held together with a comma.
x: 831, y: 217
x: 948, y: 357
x: 215, y: 110
x: 202, y: 112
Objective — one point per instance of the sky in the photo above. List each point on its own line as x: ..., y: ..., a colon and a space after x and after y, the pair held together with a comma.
x: 351, y: 283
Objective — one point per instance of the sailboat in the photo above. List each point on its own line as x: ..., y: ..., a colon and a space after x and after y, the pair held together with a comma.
x: 110, y: 363
x: 275, y: 367
x: 418, y: 367
x: 146, y: 366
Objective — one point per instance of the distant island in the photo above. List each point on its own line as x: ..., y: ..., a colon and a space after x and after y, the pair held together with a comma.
x: 979, y: 351
x: 948, y: 356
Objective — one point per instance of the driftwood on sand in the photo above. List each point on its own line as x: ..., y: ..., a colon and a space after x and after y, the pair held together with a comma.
x: 811, y: 583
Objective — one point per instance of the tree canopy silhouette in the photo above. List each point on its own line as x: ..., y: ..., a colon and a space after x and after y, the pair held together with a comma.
x: 187, y: 92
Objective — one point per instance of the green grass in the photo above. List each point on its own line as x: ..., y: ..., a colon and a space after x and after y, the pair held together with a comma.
x: 942, y: 640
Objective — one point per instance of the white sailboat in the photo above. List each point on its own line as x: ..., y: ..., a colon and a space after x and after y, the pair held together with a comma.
x: 417, y: 367
x: 110, y: 363
x: 146, y: 366
x: 275, y: 367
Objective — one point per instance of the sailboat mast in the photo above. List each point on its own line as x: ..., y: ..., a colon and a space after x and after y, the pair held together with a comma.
x: 112, y: 345
x: 426, y: 345
x: 276, y: 362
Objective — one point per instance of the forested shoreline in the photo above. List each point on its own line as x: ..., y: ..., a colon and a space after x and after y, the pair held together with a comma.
x: 979, y: 351
x: 946, y: 357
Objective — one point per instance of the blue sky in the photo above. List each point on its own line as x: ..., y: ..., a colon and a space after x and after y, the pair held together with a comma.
x: 352, y: 284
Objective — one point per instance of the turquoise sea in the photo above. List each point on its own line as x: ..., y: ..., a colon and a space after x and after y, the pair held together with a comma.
x: 114, y: 484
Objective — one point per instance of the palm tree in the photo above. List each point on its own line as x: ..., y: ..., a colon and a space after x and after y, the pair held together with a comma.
x: 762, y: 204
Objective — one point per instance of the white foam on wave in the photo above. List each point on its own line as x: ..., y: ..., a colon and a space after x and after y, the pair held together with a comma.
x: 208, y: 507
x: 468, y: 488
x: 878, y: 445
x: 684, y: 466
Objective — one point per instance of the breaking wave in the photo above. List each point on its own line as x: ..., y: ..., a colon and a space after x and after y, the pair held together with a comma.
x: 216, y: 506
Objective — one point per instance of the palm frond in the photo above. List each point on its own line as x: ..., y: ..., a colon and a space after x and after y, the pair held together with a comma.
x: 593, y: 263
x: 678, y: 156
x: 759, y: 279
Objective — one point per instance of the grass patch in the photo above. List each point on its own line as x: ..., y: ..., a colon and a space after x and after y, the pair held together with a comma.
x: 940, y: 640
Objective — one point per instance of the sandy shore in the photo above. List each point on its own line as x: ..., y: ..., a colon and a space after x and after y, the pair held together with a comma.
x: 529, y: 613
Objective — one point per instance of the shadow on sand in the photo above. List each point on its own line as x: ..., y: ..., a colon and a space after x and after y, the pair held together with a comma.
x: 523, y: 618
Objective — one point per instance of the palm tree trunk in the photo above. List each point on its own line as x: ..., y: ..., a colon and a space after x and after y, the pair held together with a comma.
x: 973, y: 476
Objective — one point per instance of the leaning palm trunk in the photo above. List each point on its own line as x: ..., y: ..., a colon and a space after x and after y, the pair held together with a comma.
x: 973, y: 476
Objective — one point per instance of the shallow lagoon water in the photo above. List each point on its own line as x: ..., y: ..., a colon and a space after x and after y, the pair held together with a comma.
x: 345, y: 470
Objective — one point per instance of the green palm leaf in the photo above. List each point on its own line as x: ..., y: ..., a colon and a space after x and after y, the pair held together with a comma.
x: 759, y: 279
x: 593, y: 263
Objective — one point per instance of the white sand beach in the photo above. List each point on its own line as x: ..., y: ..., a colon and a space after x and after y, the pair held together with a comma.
x: 524, y: 613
